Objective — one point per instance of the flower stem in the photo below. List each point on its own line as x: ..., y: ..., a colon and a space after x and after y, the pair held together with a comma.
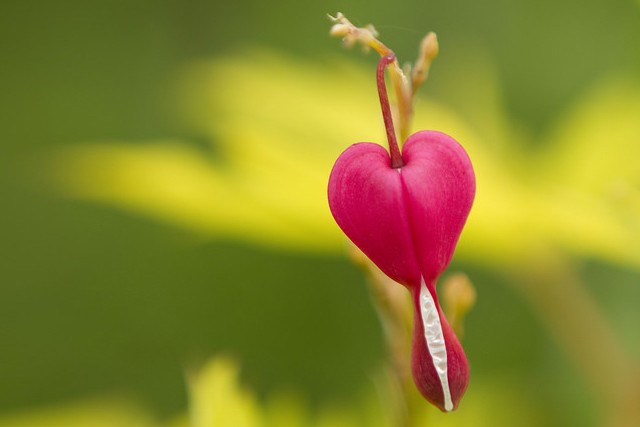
x: 394, y: 150
x: 405, y: 81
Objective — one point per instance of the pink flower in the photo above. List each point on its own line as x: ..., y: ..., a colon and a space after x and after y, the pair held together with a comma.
x: 406, y: 212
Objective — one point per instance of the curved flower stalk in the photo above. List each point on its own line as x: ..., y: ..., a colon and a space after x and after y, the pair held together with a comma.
x: 405, y: 210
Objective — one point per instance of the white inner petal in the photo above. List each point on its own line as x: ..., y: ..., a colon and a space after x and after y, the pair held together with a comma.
x: 435, y: 341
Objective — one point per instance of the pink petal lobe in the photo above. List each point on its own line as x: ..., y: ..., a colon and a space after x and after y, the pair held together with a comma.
x: 439, y: 187
x: 366, y: 200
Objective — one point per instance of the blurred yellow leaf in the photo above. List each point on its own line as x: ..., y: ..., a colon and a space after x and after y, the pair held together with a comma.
x: 279, y: 124
x: 217, y: 400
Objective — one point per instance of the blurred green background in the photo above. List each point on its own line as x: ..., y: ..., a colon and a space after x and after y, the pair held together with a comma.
x: 95, y: 299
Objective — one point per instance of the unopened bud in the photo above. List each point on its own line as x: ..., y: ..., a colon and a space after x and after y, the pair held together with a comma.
x: 459, y: 297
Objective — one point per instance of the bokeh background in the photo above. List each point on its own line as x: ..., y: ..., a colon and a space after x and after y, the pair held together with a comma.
x: 113, y: 284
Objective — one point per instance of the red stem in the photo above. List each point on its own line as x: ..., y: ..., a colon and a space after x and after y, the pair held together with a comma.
x: 394, y: 150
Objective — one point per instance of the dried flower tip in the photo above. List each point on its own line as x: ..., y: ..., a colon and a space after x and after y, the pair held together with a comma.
x: 343, y: 26
x: 339, y: 30
x: 367, y: 35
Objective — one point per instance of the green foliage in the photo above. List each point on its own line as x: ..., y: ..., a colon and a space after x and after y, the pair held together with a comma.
x: 162, y: 168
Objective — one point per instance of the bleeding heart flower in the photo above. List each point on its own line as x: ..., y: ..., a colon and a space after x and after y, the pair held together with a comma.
x: 406, y: 211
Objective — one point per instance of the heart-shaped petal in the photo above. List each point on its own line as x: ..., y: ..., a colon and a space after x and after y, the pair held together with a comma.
x: 407, y: 220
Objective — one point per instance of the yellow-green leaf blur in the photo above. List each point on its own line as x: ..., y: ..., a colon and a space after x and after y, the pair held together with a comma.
x: 276, y: 126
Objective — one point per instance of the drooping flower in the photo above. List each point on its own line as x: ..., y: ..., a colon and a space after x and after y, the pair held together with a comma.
x: 405, y: 211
